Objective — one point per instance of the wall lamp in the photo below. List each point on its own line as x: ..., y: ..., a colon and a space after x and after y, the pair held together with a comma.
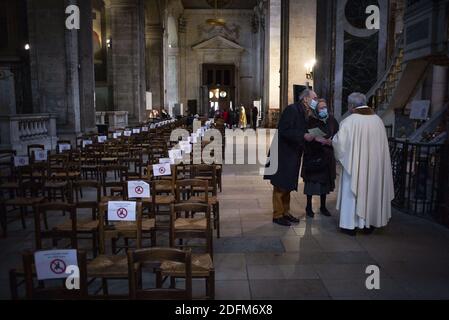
x: 309, y: 69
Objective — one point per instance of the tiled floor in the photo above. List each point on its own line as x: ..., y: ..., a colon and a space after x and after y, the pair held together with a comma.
x: 255, y: 259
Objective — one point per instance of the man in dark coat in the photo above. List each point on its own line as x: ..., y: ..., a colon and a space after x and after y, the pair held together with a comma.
x: 291, y: 135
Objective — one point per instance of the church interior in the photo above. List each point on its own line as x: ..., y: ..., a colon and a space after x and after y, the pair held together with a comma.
x: 91, y: 92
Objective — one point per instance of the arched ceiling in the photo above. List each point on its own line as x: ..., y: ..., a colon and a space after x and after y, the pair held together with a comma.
x: 223, y: 4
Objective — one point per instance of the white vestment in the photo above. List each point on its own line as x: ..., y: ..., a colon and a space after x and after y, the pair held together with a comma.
x: 366, y: 183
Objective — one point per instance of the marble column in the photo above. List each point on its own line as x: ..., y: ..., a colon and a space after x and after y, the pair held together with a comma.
x: 126, y: 61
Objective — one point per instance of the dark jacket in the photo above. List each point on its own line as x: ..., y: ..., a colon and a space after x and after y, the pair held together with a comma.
x: 319, y: 163
x: 290, y: 137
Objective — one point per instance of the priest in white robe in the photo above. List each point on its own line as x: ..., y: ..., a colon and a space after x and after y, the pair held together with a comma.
x: 366, y: 183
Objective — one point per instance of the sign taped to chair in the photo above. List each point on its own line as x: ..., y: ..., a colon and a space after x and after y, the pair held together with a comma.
x: 144, y: 129
x: 102, y: 139
x: 127, y: 133
x: 160, y: 170
x: 40, y: 155
x: 138, y: 189
x: 136, y: 131
x: 21, y: 161
x: 52, y: 264
x: 64, y: 147
x: 122, y: 211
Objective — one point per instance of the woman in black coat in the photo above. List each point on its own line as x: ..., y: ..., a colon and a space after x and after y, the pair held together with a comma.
x: 319, y: 165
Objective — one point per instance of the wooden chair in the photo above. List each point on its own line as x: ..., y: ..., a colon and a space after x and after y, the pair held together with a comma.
x: 155, y: 256
x: 113, y: 179
x: 186, y: 230
x: 163, y: 195
x: 149, y: 221
x: 27, y: 196
x: 34, y: 292
x: 111, y: 266
x: 55, y: 233
x: 32, y: 148
x: 208, y: 173
x: 87, y: 228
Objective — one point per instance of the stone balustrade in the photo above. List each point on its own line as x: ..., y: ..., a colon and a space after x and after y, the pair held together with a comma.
x: 19, y: 131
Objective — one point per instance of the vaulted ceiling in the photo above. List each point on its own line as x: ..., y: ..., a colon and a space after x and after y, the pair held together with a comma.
x: 223, y: 4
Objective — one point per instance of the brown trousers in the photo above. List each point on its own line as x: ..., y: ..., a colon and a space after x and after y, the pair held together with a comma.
x: 281, y: 202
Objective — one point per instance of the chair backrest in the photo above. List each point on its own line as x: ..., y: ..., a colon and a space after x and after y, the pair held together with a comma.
x: 80, y: 187
x: 54, y: 293
x: 190, y: 210
x: 42, y: 212
x: 112, y: 230
x: 190, y: 187
x: 206, y: 172
x: 154, y: 256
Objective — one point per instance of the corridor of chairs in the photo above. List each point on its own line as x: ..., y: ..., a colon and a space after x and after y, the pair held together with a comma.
x: 64, y: 196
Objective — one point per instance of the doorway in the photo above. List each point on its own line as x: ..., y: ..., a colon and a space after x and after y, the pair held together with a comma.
x: 218, y: 88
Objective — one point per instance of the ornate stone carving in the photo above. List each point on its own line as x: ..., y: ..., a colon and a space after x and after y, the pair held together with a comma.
x: 229, y: 31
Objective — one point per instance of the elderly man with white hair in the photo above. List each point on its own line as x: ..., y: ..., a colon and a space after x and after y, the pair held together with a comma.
x: 366, y: 184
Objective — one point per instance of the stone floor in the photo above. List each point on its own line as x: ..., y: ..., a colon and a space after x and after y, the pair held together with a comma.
x: 258, y: 260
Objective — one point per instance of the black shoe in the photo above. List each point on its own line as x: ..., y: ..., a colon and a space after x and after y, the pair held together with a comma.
x: 291, y: 218
x: 282, y: 222
x: 325, y: 212
x: 369, y: 231
x: 351, y: 233
x: 310, y: 213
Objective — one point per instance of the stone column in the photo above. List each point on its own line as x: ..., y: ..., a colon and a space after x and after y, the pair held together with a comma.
x: 7, y: 92
x: 127, y: 56
x: 86, y: 71
x: 54, y: 64
x: 274, y: 53
x: 154, y: 53
x: 172, y: 77
x: 285, y: 47
x: 301, y: 43
x: 439, y: 87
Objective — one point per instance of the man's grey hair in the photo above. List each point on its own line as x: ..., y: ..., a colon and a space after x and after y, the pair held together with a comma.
x: 356, y: 100
x: 305, y: 94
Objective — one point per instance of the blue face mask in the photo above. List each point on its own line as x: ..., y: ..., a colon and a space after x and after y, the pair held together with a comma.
x: 323, y: 114
x: 313, y: 104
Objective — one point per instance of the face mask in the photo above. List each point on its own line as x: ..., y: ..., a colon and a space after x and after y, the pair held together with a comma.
x: 313, y: 104
x: 323, y: 114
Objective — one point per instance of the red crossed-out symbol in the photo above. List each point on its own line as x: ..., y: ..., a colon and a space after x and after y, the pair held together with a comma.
x: 139, y: 190
x: 162, y: 170
x: 57, y: 266
x: 122, y: 213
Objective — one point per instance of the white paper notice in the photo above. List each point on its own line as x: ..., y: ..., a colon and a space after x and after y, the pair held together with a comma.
x: 53, y: 264
x: 127, y: 133
x: 64, y: 147
x: 121, y: 211
x: 21, y: 161
x: 102, y: 139
x: 144, y: 129
x: 40, y: 155
x: 138, y: 189
x: 136, y: 131
x: 160, y: 170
